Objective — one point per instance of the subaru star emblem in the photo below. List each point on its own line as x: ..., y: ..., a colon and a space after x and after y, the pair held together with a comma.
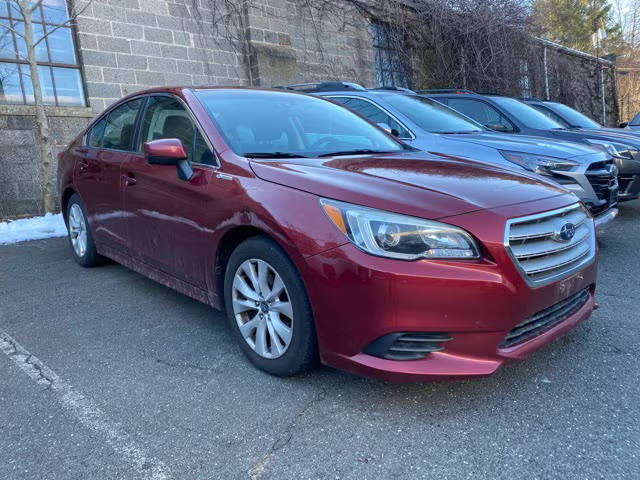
x: 563, y: 232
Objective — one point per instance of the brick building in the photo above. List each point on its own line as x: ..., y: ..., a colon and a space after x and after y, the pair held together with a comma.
x: 118, y: 47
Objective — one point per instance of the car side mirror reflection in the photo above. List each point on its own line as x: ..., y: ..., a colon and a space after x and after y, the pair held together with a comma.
x: 498, y: 127
x: 169, y: 151
x: 388, y: 129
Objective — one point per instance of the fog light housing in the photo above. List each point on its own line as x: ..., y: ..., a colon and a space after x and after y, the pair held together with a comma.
x: 407, y: 345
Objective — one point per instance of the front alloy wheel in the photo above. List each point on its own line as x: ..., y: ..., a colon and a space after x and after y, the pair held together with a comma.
x: 268, y: 309
x: 262, y: 308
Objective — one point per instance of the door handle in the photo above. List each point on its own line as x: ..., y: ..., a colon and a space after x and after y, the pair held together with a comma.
x: 129, y: 179
x: 82, y: 150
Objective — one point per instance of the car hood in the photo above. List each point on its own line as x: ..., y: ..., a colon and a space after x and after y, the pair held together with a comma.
x: 619, y: 131
x: 600, y: 134
x: 415, y: 184
x: 530, y: 144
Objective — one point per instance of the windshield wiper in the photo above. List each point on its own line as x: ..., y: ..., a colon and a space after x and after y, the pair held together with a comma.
x: 273, y: 155
x: 353, y: 152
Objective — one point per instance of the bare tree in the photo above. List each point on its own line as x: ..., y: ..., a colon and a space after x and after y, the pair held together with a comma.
x: 628, y: 62
x: 26, y: 10
x: 475, y: 44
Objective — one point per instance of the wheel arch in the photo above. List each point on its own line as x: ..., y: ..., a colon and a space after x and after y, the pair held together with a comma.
x: 64, y: 201
x: 230, y: 241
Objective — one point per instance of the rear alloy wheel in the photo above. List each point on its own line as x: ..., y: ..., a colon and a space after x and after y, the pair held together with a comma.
x: 77, y: 230
x: 82, y: 246
x: 268, y: 308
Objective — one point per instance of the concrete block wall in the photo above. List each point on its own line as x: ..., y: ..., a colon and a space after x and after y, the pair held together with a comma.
x: 331, y: 45
x: 130, y: 45
x: 20, y: 192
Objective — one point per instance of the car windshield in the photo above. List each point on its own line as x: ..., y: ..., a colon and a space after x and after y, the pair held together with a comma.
x: 266, y: 124
x: 573, y: 117
x: 431, y: 115
x: 531, y: 117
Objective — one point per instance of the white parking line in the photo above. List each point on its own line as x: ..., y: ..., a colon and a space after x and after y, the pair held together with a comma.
x: 83, y: 409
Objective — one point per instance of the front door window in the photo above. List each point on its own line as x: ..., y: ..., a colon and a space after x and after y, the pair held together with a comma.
x: 166, y: 117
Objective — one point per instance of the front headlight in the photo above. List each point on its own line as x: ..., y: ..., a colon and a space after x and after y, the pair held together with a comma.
x: 538, y: 163
x: 392, y: 235
x: 616, y: 149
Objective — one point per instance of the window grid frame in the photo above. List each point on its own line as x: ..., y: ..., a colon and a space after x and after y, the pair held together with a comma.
x: 49, y: 64
x: 385, y: 52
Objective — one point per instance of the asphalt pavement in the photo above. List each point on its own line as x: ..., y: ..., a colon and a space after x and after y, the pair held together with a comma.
x: 108, y: 375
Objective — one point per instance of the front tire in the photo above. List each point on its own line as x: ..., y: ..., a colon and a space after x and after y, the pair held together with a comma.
x: 268, y: 309
x: 81, y: 241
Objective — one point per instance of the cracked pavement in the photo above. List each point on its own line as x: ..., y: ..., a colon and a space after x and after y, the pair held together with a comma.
x: 164, y: 373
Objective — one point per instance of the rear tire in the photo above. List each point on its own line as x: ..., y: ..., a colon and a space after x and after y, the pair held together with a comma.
x: 81, y: 241
x: 268, y: 309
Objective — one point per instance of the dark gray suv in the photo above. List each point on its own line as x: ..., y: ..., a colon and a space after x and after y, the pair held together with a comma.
x: 571, y: 118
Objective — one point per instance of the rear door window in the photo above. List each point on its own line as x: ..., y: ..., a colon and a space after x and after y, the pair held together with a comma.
x: 116, y: 130
x: 551, y: 114
x: 481, y: 112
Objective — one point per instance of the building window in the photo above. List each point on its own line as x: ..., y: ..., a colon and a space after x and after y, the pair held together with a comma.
x: 390, y: 69
x: 58, y: 65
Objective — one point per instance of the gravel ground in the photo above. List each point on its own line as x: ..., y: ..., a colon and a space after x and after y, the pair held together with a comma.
x: 128, y: 379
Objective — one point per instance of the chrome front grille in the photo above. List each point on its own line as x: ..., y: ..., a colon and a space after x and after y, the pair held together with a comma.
x: 542, y: 252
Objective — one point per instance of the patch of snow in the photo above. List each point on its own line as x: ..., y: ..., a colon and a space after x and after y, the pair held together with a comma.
x: 34, y: 228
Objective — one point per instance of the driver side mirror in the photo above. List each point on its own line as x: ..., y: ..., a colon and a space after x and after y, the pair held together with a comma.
x: 168, y: 151
x: 624, y: 124
x: 498, y: 127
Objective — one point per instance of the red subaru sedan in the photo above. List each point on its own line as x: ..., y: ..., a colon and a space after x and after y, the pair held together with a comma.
x: 324, y: 238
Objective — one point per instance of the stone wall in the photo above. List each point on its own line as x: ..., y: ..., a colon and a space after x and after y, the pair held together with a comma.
x: 331, y: 45
x: 130, y: 45
x: 20, y: 192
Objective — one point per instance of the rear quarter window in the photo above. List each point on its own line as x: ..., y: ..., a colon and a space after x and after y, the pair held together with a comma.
x: 94, y: 138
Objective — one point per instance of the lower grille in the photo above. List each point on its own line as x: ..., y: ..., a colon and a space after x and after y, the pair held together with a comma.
x: 545, y: 319
x: 602, y: 177
x: 601, y: 185
x: 407, y: 346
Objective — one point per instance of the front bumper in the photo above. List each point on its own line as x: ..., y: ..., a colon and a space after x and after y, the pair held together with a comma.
x: 358, y: 298
x: 590, y: 182
x: 454, y: 363
x: 628, y: 179
x: 605, y: 218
